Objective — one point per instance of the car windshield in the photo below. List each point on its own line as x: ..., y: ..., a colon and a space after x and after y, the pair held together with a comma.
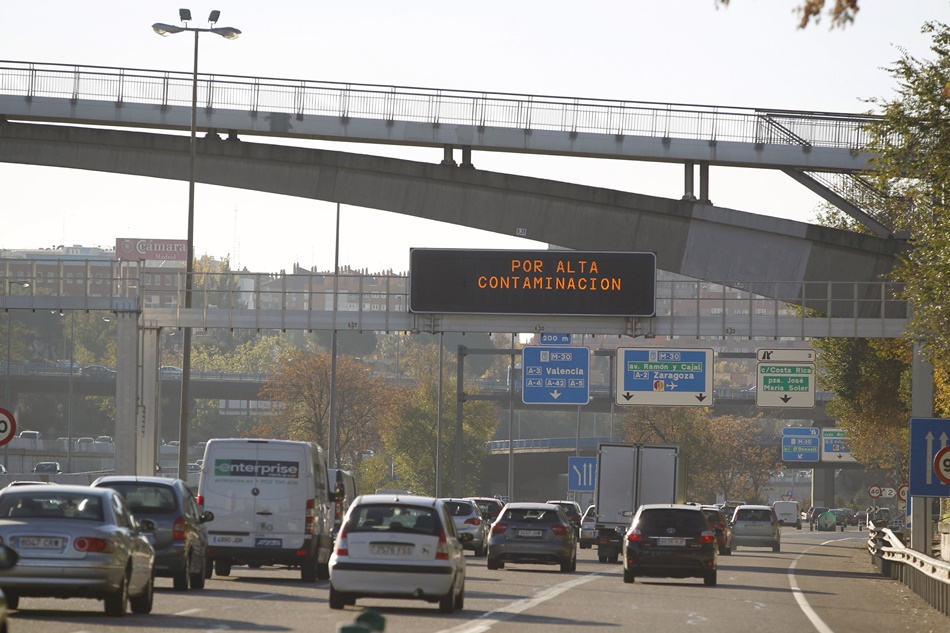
x: 712, y: 516
x: 671, y: 518
x: 146, y: 499
x: 51, y: 505
x: 487, y: 507
x: 531, y: 515
x: 394, y: 518
x: 459, y: 509
x: 753, y: 515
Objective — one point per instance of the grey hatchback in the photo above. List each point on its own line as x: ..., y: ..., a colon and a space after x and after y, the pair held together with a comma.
x: 532, y: 533
x: 180, y: 539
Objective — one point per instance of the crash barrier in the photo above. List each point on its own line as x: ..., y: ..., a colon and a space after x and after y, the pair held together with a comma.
x: 927, y: 577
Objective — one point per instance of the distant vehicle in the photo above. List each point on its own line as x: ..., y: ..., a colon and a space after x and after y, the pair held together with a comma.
x: 572, y: 510
x: 720, y: 527
x: 490, y: 507
x: 85, y: 439
x: 30, y: 435
x: 671, y: 541
x: 756, y: 526
x: 194, y: 467
x: 97, y: 371
x: 402, y: 547
x: 180, y: 539
x: 76, y: 542
x: 814, y: 512
x: 167, y: 371
x: 468, y: 521
x: 47, y: 468
x: 861, y: 518
x: 588, y: 528
x: 534, y: 533
x: 788, y: 513
x: 729, y: 507
x: 844, y: 516
x: 104, y: 439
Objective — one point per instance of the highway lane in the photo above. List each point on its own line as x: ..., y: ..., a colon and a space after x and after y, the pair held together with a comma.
x: 820, y: 581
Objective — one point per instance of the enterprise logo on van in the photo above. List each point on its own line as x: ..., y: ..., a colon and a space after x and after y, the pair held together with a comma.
x: 259, y: 468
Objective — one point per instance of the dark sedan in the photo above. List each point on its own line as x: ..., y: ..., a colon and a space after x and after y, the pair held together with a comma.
x: 536, y: 533
x: 670, y: 541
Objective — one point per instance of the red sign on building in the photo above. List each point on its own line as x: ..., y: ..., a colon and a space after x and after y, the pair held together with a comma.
x: 165, y: 250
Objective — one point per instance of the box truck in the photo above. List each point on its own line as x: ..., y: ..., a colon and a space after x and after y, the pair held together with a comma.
x: 628, y: 476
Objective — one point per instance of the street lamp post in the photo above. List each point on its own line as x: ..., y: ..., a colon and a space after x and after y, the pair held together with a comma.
x: 230, y: 33
x: 6, y: 377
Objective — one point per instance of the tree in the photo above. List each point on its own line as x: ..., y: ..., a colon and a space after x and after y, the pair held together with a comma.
x: 300, y: 391
x: 841, y: 13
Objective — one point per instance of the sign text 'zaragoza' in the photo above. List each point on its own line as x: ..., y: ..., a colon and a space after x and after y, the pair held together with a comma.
x: 600, y: 283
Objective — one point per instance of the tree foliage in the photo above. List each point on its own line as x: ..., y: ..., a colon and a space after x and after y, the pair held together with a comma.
x: 840, y: 12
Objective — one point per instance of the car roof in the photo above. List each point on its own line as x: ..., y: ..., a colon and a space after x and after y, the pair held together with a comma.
x: 750, y: 506
x: 531, y: 505
x: 678, y: 506
x: 107, y: 479
x: 59, y: 488
x: 388, y: 498
x: 498, y: 501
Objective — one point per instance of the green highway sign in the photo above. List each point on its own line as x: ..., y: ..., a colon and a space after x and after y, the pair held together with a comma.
x: 785, y: 384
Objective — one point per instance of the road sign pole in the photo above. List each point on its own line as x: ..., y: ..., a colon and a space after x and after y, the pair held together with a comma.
x: 922, y: 399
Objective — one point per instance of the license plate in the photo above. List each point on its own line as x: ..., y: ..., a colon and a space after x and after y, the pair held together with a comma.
x: 671, y: 542
x: 390, y: 549
x: 529, y: 533
x: 40, y: 542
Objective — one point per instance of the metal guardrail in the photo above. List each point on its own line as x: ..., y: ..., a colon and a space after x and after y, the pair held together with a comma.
x: 301, y: 98
x: 926, y: 576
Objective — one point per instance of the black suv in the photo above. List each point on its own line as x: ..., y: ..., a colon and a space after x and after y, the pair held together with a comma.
x: 671, y: 541
x: 180, y: 540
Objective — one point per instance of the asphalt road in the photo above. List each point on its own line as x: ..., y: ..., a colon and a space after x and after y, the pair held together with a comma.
x: 820, y: 581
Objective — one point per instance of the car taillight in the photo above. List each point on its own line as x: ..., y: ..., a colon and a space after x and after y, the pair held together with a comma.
x: 342, y: 548
x: 634, y: 536
x: 558, y: 529
x: 498, y: 528
x: 707, y: 538
x: 442, y: 549
x: 338, y: 510
x: 200, y: 500
x: 97, y: 545
x: 178, y: 529
x: 310, y: 517
x: 473, y: 521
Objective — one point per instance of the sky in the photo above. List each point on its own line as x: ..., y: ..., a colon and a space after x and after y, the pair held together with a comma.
x: 749, y: 54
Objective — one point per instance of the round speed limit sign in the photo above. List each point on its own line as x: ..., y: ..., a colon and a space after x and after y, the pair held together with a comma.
x: 874, y: 491
x: 942, y: 464
x: 7, y: 426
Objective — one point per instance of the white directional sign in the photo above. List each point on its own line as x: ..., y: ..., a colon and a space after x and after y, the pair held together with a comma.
x: 665, y: 377
x: 785, y: 384
x: 834, y: 446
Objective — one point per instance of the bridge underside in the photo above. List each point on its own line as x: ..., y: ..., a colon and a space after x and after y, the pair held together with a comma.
x: 698, y: 240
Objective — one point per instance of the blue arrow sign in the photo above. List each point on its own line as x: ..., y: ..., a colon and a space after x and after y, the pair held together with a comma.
x: 556, y: 339
x: 927, y: 436
x: 663, y: 376
x: 581, y: 473
x: 801, y: 448
x: 556, y: 375
x: 789, y: 431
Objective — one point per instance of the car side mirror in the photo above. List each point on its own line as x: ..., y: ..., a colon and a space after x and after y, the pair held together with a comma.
x: 206, y: 516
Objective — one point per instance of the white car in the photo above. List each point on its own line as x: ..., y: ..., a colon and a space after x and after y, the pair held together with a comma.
x: 398, y: 547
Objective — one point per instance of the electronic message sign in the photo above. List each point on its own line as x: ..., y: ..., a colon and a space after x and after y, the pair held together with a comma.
x: 571, y: 283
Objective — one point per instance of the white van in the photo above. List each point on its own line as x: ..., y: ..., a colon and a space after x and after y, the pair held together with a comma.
x: 788, y: 513
x: 272, y: 505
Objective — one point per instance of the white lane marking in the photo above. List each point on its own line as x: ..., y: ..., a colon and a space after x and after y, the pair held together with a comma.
x: 816, y: 621
x: 491, y: 618
x: 695, y: 618
x: 189, y: 612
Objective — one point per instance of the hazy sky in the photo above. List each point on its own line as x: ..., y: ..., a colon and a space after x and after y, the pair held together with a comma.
x: 750, y: 54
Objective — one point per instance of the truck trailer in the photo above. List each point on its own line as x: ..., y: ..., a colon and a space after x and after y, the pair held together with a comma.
x: 629, y: 475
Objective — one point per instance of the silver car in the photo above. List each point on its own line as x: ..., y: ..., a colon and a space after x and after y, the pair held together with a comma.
x: 537, y: 533
x: 76, y: 542
x: 469, y: 520
x: 756, y: 526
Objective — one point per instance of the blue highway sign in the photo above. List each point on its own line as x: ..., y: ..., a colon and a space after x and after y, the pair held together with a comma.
x: 581, y: 473
x: 663, y: 376
x: 801, y: 444
x: 555, y: 375
x: 927, y: 437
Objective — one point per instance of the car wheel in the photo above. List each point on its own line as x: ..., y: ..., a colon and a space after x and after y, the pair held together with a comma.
x: 116, y: 602
x: 727, y: 550
x: 222, y: 567
x: 209, y: 568
x: 13, y: 600
x: 709, y: 578
x: 460, y: 599
x: 447, y: 602
x: 337, y: 599
x: 798, y: 525
x: 198, y: 580
x: 777, y: 547
x: 613, y: 558
x: 574, y: 563
x: 566, y: 566
x: 494, y: 564
x: 628, y: 576
x: 584, y: 546
x: 143, y: 602
x: 180, y: 579
x: 479, y: 551
x: 308, y: 569
x: 323, y: 571
x: 602, y: 559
